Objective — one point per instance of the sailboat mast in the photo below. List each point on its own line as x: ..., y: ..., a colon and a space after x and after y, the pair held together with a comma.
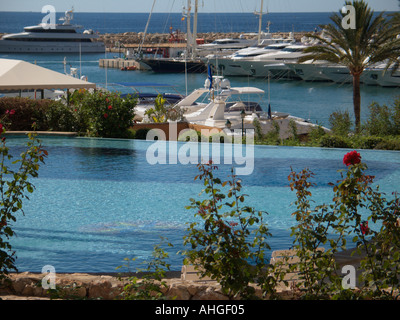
x: 145, y: 29
x: 260, y: 21
x: 188, y: 27
x: 194, y: 44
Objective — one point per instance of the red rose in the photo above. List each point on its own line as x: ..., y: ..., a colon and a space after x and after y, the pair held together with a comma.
x: 105, y: 115
x: 352, y: 157
x: 109, y: 107
x: 364, y: 227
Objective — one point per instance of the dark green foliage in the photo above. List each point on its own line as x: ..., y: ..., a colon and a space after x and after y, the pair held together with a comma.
x: 141, y: 133
x: 88, y: 113
x: 340, y: 123
x: 329, y: 141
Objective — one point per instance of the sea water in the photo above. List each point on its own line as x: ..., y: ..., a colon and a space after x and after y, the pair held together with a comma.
x: 104, y: 22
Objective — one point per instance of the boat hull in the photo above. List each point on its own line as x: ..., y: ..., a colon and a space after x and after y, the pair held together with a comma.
x: 175, y: 66
x: 10, y: 46
x: 228, y: 67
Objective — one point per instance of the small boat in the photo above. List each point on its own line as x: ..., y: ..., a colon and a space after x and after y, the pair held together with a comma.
x: 225, y: 103
x: 147, y: 92
x: 174, y: 65
x: 129, y: 68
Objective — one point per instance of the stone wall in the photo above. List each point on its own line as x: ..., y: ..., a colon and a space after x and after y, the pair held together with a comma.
x: 107, y: 287
x: 112, y: 40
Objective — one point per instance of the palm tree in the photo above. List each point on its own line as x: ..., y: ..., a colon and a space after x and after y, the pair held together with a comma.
x: 372, y: 41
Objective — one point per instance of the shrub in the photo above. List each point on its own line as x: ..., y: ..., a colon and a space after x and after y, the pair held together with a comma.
x: 379, y: 122
x: 383, y: 120
x: 13, y: 188
x: 162, y: 112
x: 60, y: 117
x: 104, y: 114
x: 316, y: 134
x: 26, y: 112
x: 329, y: 141
x: 389, y: 143
x: 152, y: 285
x: 340, y: 123
x: 229, y: 246
x: 368, y: 142
x: 332, y: 225
x: 141, y: 133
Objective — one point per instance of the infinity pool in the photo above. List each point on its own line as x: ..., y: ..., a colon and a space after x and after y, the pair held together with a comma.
x: 98, y: 201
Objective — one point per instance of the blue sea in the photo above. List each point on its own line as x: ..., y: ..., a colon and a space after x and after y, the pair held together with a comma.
x: 161, y: 22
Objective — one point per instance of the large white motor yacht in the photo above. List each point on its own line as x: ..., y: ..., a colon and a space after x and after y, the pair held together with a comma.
x: 273, y: 63
x: 231, y: 65
x: 52, y: 39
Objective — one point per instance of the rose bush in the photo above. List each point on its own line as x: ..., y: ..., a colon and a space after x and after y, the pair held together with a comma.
x: 103, y: 114
x: 355, y: 204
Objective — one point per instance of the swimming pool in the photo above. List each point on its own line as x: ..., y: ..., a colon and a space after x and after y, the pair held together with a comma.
x: 98, y: 201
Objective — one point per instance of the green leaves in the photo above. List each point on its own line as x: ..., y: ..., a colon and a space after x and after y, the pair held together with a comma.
x: 13, y: 185
x: 332, y: 226
x: 229, y: 245
x: 103, y: 114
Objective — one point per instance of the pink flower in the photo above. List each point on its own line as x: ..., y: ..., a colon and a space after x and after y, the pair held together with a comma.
x: 351, y: 158
x: 12, y: 111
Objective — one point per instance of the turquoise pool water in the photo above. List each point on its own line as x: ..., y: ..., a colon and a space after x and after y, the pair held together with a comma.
x: 98, y: 201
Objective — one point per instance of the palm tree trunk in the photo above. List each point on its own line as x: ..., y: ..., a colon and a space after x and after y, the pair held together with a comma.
x: 357, y: 100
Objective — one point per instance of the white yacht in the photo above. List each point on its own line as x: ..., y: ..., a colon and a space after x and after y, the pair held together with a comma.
x: 57, y: 38
x: 223, y: 103
x: 311, y: 70
x: 224, y: 46
x: 377, y: 75
x: 231, y: 65
x: 273, y: 63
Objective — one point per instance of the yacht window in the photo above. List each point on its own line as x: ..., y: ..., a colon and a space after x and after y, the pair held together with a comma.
x: 274, y: 47
x: 293, y: 49
x: 38, y: 30
x: 49, y: 40
x: 248, y: 55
